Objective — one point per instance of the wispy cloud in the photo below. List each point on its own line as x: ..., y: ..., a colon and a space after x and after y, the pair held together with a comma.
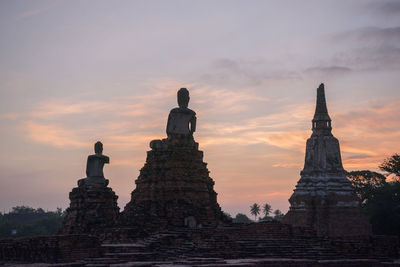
x: 36, y: 11
x: 246, y: 72
x: 52, y: 135
x: 293, y: 140
x: 10, y: 116
x: 138, y: 139
x: 369, y: 133
x: 370, y: 34
x: 226, y: 101
x: 54, y: 108
x: 331, y: 70
x: 368, y: 48
x: 280, y: 129
x: 385, y: 8
x: 287, y: 165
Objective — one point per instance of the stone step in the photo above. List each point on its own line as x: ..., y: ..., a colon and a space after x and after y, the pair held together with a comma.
x: 143, y: 264
x: 123, y: 245
x: 197, y: 263
x: 198, y: 260
x: 127, y: 247
x: 133, y: 256
x: 102, y: 261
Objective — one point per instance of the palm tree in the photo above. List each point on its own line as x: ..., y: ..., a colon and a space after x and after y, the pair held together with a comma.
x: 255, y: 210
x: 267, y: 209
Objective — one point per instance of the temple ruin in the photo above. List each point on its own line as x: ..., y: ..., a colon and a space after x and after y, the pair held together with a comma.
x: 174, y: 187
x: 93, y: 204
x: 324, y: 199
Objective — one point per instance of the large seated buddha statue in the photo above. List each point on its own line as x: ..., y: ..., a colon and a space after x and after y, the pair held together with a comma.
x: 180, y: 126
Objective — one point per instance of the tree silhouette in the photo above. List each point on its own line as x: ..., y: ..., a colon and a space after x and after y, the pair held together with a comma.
x: 365, y: 183
x: 241, y: 218
x: 23, y: 210
x: 227, y: 215
x: 392, y: 165
x: 278, y: 215
x: 26, y: 221
x: 267, y: 209
x: 255, y: 210
x: 379, y: 197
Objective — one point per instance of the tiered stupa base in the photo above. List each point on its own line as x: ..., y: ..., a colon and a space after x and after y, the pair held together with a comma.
x: 333, y: 215
x: 91, y: 210
x: 174, y: 190
x: 325, y: 201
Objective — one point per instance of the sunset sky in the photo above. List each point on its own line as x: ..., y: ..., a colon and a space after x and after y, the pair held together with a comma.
x: 75, y: 72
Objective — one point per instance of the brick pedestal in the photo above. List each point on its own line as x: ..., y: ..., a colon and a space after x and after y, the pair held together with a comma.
x: 91, y: 210
x: 174, y: 189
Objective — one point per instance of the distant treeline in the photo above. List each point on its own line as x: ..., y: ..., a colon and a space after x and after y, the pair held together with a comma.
x: 27, y: 221
x: 255, y: 210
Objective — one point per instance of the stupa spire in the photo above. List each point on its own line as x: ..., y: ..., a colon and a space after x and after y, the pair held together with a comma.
x: 321, y: 120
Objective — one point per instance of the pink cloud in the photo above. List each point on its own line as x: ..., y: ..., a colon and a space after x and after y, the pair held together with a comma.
x: 10, y: 116
x: 36, y: 11
x: 287, y: 165
x: 32, y: 12
x: 51, y: 135
x: 60, y: 107
x: 369, y: 134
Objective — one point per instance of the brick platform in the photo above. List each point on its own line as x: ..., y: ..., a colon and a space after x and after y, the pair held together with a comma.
x: 174, y: 189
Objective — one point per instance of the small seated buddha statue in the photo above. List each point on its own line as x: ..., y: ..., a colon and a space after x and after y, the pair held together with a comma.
x: 94, y: 168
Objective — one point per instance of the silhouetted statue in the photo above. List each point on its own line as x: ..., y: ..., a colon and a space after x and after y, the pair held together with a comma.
x: 95, y: 163
x: 94, y: 168
x: 180, y: 126
x: 182, y: 120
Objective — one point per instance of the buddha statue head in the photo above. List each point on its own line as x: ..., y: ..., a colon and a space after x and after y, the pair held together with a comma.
x: 183, y: 98
x: 98, y: 147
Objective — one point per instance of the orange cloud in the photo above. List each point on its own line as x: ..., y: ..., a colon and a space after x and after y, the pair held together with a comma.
x: 59, y: 107
x: 32, y: 12
x: 369, y: 134
x: 132, y: 118
x: 52, y: 135
x: 287, y: 165
x: 138, y: 139
x: 293, y: 140
x: 225, y: 101
x: 9, y: 116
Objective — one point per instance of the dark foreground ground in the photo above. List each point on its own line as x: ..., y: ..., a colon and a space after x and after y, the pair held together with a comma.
x: 222, y: 262
x: 261, y: 244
